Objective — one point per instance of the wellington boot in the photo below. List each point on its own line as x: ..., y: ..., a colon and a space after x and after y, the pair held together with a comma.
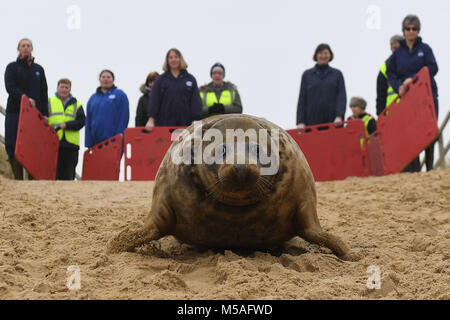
x: 17, y: 169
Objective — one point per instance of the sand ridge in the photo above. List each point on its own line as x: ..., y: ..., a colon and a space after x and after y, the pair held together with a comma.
x: 400, y: 223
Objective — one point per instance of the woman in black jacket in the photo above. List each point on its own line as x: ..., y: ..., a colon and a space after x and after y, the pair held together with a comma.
x: 322, y: 96
x: 175, y: 99
x: 22, y: 77
x: 146, y: 88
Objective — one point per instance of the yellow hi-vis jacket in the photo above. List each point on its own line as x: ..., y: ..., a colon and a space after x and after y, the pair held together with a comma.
x: 226, y: 98
x: 57, y: 115
x: 391, y: 94
x: 366, y: 119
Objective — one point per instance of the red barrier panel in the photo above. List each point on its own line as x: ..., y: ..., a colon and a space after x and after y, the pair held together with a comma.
x: 102, y: 161
x: 37, y: 144
x: 145, y: 151
x: 409, y: 127
x: 334, y: 153
x: 374, y: 150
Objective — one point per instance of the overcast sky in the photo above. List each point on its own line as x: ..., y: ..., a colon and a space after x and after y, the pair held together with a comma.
x: 264, y: 45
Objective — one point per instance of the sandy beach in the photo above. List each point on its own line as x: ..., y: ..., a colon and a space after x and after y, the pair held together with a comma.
x: 398, y: 223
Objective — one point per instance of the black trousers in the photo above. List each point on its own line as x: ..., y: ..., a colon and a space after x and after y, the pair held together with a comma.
x: 429, y: 156
x: 11, y: 126
x: 67, y: 162
x: 414, y: 166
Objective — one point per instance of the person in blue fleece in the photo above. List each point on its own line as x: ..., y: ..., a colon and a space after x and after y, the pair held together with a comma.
x: 108, y: 111
x: 405, y: 62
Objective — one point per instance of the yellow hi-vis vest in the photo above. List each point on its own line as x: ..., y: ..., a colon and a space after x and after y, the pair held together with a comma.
x: 226, y: 98
x: 57, y: 115
x: 391, y: 94
x: 366, y: 119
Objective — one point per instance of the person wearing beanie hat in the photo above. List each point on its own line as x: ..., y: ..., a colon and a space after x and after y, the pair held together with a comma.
x: 385, y: 93
x: 358, y: 106
x: 219, y: 96
x: 219, y: 65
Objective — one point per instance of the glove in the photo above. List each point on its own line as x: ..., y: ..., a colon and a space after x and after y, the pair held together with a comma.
x: 217, y: 108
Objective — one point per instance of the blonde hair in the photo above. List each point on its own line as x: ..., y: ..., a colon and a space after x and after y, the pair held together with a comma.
x: 183, y: 64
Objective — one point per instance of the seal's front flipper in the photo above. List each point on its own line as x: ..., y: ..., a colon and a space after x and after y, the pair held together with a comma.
x: 330, y: 241
x: 158, y: 224
x: 128, y: 239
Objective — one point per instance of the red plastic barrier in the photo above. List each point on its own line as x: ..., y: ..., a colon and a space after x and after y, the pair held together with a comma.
x: 37, y: 144
x: 145, y: 151
x: 102, y: 161
x: 409, y: 127
x: 374, y: 149
x: 334, y: 153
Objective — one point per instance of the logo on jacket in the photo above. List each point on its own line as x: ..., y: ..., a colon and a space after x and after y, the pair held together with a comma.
x: 112, y: 96
x: 420, y: 54
x: 189, y: 83
x: 38, y: 73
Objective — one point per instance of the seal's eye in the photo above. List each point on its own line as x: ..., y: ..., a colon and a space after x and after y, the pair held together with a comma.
x: 221, y: 150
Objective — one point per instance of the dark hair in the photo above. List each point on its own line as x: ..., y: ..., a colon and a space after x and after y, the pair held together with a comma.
x: 151, y: 77
x: 411, y: 19
x: 217, y: 64
x: 109, y: 71
x: 321, y: 47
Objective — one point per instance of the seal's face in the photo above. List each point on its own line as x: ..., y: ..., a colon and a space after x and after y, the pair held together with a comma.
x: 234, y: 174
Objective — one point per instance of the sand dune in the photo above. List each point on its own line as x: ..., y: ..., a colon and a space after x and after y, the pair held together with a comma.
x: 400, y: 223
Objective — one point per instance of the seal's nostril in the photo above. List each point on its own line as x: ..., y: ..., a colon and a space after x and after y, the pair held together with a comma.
x: 241, y: 170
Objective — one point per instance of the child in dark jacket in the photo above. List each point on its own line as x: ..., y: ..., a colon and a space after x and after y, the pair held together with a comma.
x: 358, y: 106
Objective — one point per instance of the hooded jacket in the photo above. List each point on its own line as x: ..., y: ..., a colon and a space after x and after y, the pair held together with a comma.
x: 141, y: 110
x: 405, y: 63
x: 235, y: 107
x: 107, y: 115
x: 322, y: 96
x: 175, y: 101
